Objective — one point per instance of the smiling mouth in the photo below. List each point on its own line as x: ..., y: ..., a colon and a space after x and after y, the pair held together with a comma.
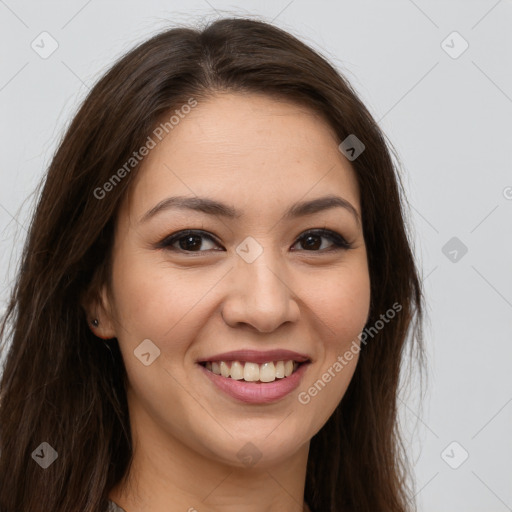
x: 253, y: 372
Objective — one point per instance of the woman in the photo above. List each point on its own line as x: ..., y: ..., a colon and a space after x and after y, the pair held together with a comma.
x: 215, y: 293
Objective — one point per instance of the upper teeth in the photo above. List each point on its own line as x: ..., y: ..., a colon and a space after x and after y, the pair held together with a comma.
x: 252, y: 372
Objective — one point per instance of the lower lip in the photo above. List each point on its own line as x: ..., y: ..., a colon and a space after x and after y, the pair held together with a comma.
x: 255, y: 392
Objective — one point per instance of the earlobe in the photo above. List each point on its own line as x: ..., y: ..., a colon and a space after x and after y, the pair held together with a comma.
x: 99, y: 318
x: 95, y: 328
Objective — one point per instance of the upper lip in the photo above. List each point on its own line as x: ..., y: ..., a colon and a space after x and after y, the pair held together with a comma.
x: 259, y: 357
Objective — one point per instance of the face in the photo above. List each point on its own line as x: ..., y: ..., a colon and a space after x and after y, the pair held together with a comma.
x: 254, y: 276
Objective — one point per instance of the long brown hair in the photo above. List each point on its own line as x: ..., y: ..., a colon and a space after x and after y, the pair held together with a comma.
x: 62, y: 386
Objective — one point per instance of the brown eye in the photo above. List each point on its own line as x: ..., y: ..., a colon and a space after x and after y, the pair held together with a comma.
x: 311, y: 240
x: 187, y: 241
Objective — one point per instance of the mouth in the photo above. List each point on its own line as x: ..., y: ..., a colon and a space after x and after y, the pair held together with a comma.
x: 255, y: 377
x: 247, y: 371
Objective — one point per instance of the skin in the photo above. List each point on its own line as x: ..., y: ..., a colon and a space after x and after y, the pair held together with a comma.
x: 259, y: 155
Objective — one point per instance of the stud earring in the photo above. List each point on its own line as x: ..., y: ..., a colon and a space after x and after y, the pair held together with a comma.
x: 95, y: 322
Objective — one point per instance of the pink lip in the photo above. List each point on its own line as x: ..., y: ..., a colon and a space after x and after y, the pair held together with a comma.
x: 255, y: 356
x: 254, y: 392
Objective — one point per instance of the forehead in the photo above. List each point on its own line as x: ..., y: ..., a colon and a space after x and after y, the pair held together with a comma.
x: 245, y: 149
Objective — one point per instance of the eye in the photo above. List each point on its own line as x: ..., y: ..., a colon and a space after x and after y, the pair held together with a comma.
x: 310, y: 238
x: 190, y: 240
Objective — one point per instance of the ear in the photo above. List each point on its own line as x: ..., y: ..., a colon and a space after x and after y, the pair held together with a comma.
x: 97, y: 306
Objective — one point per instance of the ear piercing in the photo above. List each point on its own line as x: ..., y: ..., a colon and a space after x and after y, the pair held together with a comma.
x: 95, y: 322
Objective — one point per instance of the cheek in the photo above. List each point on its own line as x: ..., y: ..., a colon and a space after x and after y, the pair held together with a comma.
x: 150, y: 297
x: 166, y: 305
x: 342, y: 303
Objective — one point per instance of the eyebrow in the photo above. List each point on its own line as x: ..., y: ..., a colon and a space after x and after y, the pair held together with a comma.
x: 218, y: 209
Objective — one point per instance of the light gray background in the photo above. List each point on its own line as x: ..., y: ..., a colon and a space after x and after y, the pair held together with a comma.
x: 450, y: 120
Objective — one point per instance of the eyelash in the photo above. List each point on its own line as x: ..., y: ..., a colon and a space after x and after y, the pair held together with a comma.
x: 339, y: 242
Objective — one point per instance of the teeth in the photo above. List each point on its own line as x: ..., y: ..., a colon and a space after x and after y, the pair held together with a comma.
x: 279, y: 370
x: 267, y: 372
x: 224, y: 369
x: 253, y: 372
x: 237, y: 371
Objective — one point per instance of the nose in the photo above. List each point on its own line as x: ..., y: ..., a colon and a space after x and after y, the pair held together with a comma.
x: 260, y: 294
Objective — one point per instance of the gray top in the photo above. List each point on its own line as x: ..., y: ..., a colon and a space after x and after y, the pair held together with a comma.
x: 114, y: 507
